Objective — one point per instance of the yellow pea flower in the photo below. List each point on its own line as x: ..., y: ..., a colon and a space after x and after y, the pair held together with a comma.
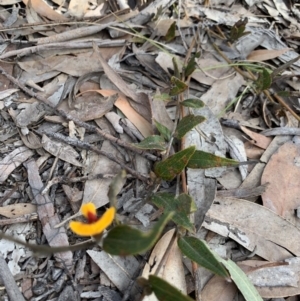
x: 94, y: 225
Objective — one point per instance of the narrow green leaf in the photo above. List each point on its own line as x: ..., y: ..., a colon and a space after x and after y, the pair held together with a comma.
x: 203, y: 160
x: 164, y: 131
x: 264, y: 80
x: 181, y: 206
x: 178, y: 86
x: 284, y: 93
x: 185, y: 203
x: 193, y: 103
x: 176, y: 68
x: 165, y: 291
x: 192, y: 65
x: 242, y: 282
x: 154, y: 142
x: 186, y: 124
x: 171, y: 32
x: 124, y: 240
x: 169, y: 168
x: 198, y: 251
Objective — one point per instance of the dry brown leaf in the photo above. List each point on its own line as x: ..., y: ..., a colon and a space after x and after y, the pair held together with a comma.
x: 141, y: 102
x: 96, y: 190
x: 257, y: 139
x: 160, y: 113
x: 255, y: 227
x: 42, y: 8
x: 282, y: 173
x: 217, y: 288
x: 171, y: 265
x: 266, y: 54
x: 140, y: 122
x: 252, y: 151
x: 16, y: 210
x: 77, y: 8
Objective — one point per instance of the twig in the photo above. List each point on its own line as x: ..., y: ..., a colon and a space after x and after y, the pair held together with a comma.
x: 12, y: 289
x: 88, y: 127
x: 85, y: 145
x: 66, y: 180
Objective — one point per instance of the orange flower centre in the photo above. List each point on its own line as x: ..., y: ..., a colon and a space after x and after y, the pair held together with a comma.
x: 91, y: 217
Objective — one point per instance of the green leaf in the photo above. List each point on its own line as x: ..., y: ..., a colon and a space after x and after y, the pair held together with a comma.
x: 180, y: 206
x: 165, y: 291
x: 124, y: 240
x: 152, y: 142
x: 238, y: 30
x: 284, y: 93
x: 169, y: 168
x: 178, y: 86
x: 193, y: 103
x: 203, y: 160
x: 198, y: 251
x: 164, y: 131
x: 242, y: 282
x: 163, y: 96
x: 192, y: 65
x: 176, y: 68
x: 185, y: 203
x: 186, y: 124
x: 171, y: 32
x: 115, y: 187
x: 264, y: 80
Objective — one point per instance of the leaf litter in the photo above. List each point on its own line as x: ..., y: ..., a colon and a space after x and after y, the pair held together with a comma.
x: 105, y: 74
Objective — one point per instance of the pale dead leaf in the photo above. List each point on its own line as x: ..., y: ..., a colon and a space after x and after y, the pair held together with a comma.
x: 255, y: 227
x: 16, y: 210
x: 273, y: 274
x: 282, y: 172
x: 266, y: 54
x: 140, y: 122
x: 77, y: 8
x: 11, y: 161
x: 8, y: 92
x: 96, y: 190
x: 257, y: 139
x: 42, y: 8
x: 64, y: 151
x: 120, y: 270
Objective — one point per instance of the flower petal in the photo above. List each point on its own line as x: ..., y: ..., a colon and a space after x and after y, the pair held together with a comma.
x: 95, y: 228
x: 88, y: 208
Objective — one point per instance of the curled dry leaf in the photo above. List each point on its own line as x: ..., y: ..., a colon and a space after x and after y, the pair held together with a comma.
x: 64, y: 151
x: 257, y: 139
x: 10, y: 162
